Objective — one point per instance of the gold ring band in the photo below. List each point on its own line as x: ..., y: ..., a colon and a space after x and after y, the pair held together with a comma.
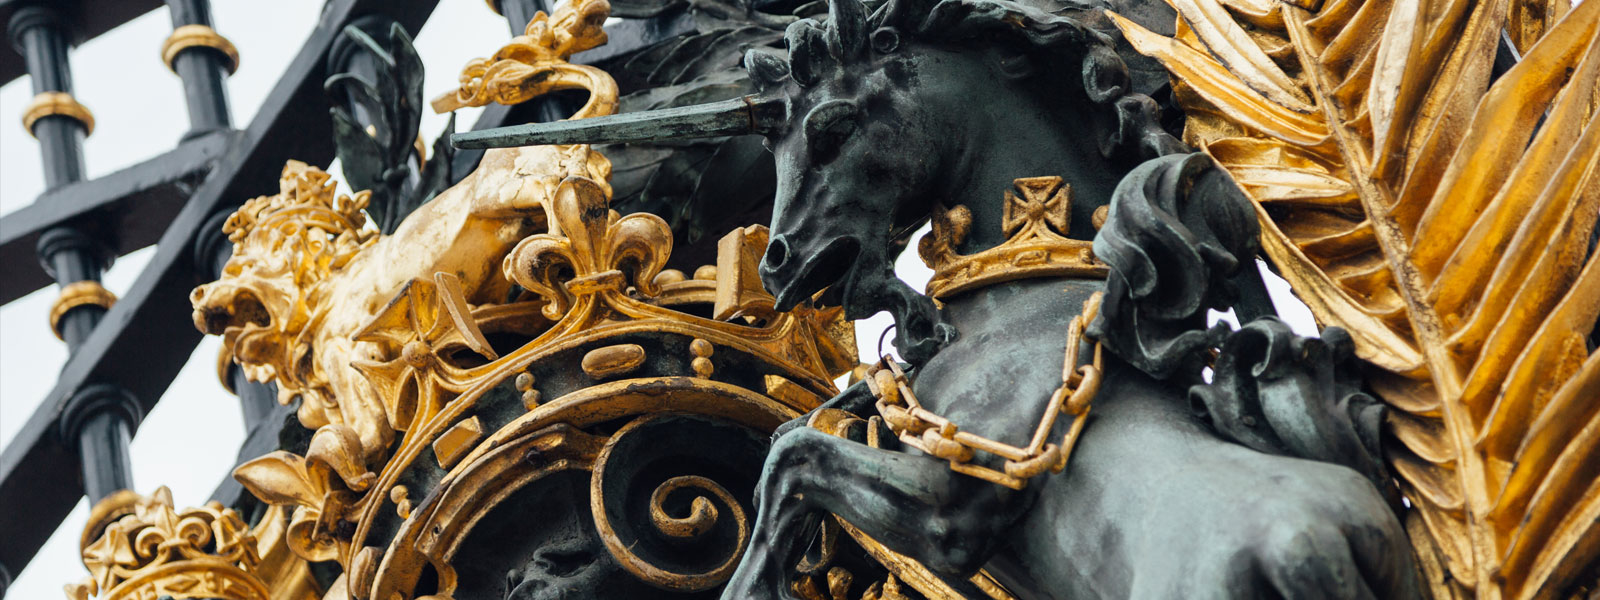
x: 198, y: 36
x: 76, y: 294
x: 57, y: 104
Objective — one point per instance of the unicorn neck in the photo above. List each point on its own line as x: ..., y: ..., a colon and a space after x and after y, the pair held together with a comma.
x: 1003, y: 142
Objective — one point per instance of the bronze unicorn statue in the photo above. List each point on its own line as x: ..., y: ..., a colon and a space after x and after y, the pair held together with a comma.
x: 1022, y: 133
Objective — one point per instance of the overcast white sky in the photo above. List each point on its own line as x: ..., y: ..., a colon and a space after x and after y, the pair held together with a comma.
x: 189, y: 441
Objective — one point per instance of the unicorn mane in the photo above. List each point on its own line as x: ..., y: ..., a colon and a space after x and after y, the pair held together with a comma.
x: 1065, y: 35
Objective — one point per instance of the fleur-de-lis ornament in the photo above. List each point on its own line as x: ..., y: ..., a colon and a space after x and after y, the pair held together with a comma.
x: 590, y: 250
x: 423, y: 325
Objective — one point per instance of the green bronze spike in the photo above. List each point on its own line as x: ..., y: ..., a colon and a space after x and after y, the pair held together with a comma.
x: 739, y: 116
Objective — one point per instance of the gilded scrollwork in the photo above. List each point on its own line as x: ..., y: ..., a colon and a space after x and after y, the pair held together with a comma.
x: 323, y: 307
x: 519, y: 277
x: 321, y: 487
x: 535, y: 63
x: 603, y: 271
x: 415, y: 334
x: 152, y: 550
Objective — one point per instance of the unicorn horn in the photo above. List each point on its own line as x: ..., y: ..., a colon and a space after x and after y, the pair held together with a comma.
x: 739, y: 116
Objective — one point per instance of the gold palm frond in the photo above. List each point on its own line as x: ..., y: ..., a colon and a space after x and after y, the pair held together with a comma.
x: 1446, y: 223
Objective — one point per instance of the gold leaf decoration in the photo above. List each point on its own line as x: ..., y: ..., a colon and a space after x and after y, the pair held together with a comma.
x: 143, y: 547
x: 1442, y: 214
x: 535, y: 63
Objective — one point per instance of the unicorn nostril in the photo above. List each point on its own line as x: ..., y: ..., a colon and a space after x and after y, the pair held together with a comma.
x: 777, y: 253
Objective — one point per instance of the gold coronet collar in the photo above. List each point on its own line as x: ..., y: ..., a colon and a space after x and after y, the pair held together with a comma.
x: 197, y: 36
x: 76, y: 294
x: 1037, y: 214
x: 57, y: 104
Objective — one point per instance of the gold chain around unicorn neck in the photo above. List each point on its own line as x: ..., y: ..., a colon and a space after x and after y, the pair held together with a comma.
x: 931, y: 433
x: 1037, y: 215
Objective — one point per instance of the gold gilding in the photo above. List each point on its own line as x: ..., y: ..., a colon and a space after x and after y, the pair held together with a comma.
x: 87, y: 292
x: 392, y: 342
x: 609, y: 361
x: 57, y: 104
x: 1440, y: 211
x: 141, y: 547
x: 198, y: 36
x: 703, y: 515
x: 455, y: 442
x: 1037, y: 213
x: 931, y: 433
x: 535, y: 63
x: 738, y: 282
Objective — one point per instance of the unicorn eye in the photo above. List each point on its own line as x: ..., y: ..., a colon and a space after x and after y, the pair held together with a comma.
x: 828, y: 126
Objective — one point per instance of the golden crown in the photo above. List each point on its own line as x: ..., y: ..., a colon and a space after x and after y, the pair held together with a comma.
x: 306, y: 198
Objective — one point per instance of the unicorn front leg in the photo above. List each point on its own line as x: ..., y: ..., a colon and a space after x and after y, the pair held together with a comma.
x: 912, y: 504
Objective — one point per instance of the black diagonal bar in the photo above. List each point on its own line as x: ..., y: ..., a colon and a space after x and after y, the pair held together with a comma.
x: 147, y: 337
x: 137, y: 202
x: 85, y: 20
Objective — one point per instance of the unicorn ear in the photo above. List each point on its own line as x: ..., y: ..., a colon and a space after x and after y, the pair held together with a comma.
x: 765, y: 68
x: 847, y: 29
x: 808, y: 55
x: 739, y: 116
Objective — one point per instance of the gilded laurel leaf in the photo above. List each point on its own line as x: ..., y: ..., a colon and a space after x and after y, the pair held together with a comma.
x: 279, y: 478
x: 337, y: 448
x: 1442, y: 213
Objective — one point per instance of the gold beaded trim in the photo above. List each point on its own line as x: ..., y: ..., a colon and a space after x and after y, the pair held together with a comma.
x: 198, y: 36
x: 79, y: 293
x: 932, y: 433
x: 53, y: 104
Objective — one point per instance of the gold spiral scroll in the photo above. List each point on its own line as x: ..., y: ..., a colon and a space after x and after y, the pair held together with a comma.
x: 57, y: 104
x: 198, y: 36
x: 703, y: 515
x: 535, y: 63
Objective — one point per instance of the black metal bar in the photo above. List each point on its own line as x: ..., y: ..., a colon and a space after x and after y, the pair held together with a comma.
x: 152, y: 320
x: 103, y: 449
x: 85, y: 20
x: 204, y: 72
x: 37, y: 32
x: 70, y: 255
x: 100, y: 419
x: 67, y: 253
x: 137, y: 203
x: 518, y: 12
